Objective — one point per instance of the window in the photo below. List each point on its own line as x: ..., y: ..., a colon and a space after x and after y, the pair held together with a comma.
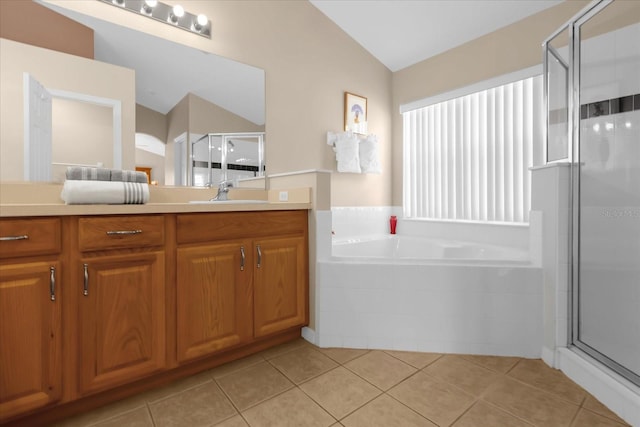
x: 468, y: 158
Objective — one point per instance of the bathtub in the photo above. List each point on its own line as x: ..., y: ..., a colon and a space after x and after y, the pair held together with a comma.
x: 411, y: 249
x: 434, y: 295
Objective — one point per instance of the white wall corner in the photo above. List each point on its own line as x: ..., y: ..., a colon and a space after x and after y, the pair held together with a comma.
x: 549, y: 357
x: 309, y: 335
x: 535, y: 237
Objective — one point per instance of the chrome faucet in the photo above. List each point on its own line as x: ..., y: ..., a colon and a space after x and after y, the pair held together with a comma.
x: 223, y: 190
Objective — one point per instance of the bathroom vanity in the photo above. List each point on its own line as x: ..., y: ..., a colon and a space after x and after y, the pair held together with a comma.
x: 98, y: 306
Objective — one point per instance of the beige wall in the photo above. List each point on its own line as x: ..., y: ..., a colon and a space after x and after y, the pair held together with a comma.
x: 31, y: 23
x: 509, y: 49
x: 177, y: 124
x: 309, y: 63
x: 205, y: 117
x: 153, y: 161
x: 151, y: 122
x: 56, y: 70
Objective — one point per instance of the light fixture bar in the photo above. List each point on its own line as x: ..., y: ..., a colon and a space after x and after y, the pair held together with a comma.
x: 175, y: 16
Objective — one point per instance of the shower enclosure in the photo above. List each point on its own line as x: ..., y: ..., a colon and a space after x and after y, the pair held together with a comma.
x: 217, y: 157
x: 592, y: 93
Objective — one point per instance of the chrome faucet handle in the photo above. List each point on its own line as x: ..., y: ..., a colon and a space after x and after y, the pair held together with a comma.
x: 223, y: 190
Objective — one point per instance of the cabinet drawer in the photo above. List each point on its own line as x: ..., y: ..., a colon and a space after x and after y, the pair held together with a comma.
x: 115, y: 232
x: 193, y: 228
x: 33, y: 236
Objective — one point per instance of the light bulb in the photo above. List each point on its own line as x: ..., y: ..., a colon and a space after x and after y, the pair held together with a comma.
x: 596, y: 127
x: 202, y: 19
x: 151, y: 3
x: 608, y: 126
x: 178, y: 11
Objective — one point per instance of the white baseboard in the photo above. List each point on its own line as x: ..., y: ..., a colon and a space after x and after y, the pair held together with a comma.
x: 618, y: 394
x: 309, y: 335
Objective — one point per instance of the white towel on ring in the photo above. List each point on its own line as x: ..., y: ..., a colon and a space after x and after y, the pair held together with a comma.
x: 76, y: 192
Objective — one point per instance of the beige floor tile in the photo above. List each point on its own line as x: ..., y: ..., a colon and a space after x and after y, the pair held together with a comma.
x: 236, y: 365
x: 343, y: 355
x: 484, y: 414
x: 236, y: 421
x: 203, y: 405
x: 284, y: 348
x: 415, y: 359
x: 253, y: 385
x: 137, y: 418
x: 290, y: 409
x: 594, y: 405
x: 434, y: 399
x: 303, y: 364
x: 468, y: 376
x: 536, y: 373
x: 587, y: 418
x: 529, y: 403
x: 380, y: 369
x: 177, y: 386
x: 494, y: 363
x: 340, y: 391
x: 105, y: 412
x: 385, y: 412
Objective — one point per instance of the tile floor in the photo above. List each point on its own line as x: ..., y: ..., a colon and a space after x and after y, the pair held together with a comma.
x: 297, y: 384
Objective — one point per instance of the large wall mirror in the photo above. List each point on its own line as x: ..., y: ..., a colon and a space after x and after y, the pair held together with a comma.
x: 181, y: 94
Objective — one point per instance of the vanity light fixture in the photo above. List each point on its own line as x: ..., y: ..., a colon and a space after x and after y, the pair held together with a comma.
x: 175, y: 16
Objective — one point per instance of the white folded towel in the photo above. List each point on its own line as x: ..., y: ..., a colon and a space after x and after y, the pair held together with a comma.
x: 369, y: 155
x: 104, y: 192
x: 347, y: 156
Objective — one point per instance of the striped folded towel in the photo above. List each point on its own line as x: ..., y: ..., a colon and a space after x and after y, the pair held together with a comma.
x: 86, y: 192
x: 84, y: 173
x: 87, y: 173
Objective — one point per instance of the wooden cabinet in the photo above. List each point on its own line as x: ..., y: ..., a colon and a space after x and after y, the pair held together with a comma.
x: 241, y: 275
x: 30, y: 315
x: 280, y: 285
x: 214, y: 298
x: 122, y: 307
x: 143, y: 299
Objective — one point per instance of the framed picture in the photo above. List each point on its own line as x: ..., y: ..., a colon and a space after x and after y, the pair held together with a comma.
x: 355, y: 113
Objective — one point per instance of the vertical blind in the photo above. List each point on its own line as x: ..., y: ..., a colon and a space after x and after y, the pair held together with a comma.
x: 468, y: 158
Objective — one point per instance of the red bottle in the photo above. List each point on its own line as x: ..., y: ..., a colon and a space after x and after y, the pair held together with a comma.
x: 393, y: 221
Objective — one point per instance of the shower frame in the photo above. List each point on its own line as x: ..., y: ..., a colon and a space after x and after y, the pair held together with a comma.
x: 573, y: 28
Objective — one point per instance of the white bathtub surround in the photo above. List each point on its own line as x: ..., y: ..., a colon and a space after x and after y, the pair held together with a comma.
x: 363, y: 221
x: 475, y: 309
x: 465, y: 295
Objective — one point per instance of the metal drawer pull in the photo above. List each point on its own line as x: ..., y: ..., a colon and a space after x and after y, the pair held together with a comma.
x: 52, y: 283
x: 259, y: 256
x: 12, y: 238
x: 242, y: 258
x: 123, y: 232
x: 85, y: 291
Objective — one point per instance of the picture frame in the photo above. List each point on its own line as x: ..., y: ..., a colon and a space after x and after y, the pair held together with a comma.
x: 355, y: 113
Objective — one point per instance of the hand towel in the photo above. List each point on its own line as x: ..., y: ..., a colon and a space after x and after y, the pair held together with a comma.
x: 88, y: 173
x: 104, y: 174
x: 369, y: 155
x: 128, y: 176
x: 79, y: 192
x: 347, y: 156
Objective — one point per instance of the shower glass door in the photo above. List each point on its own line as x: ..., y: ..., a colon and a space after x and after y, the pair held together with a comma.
x: 606, y: 297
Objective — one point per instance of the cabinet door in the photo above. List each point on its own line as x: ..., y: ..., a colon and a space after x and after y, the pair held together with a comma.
x: 280, y: 285
x: 30, y: 339
x: 214, y: 298
x: 122, y: 320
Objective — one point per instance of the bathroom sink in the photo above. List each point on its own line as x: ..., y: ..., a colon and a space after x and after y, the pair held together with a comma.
x: 225, y: 202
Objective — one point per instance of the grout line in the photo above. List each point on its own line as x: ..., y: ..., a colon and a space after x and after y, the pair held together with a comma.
x: 411, y: 409
x: 500, y: 408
